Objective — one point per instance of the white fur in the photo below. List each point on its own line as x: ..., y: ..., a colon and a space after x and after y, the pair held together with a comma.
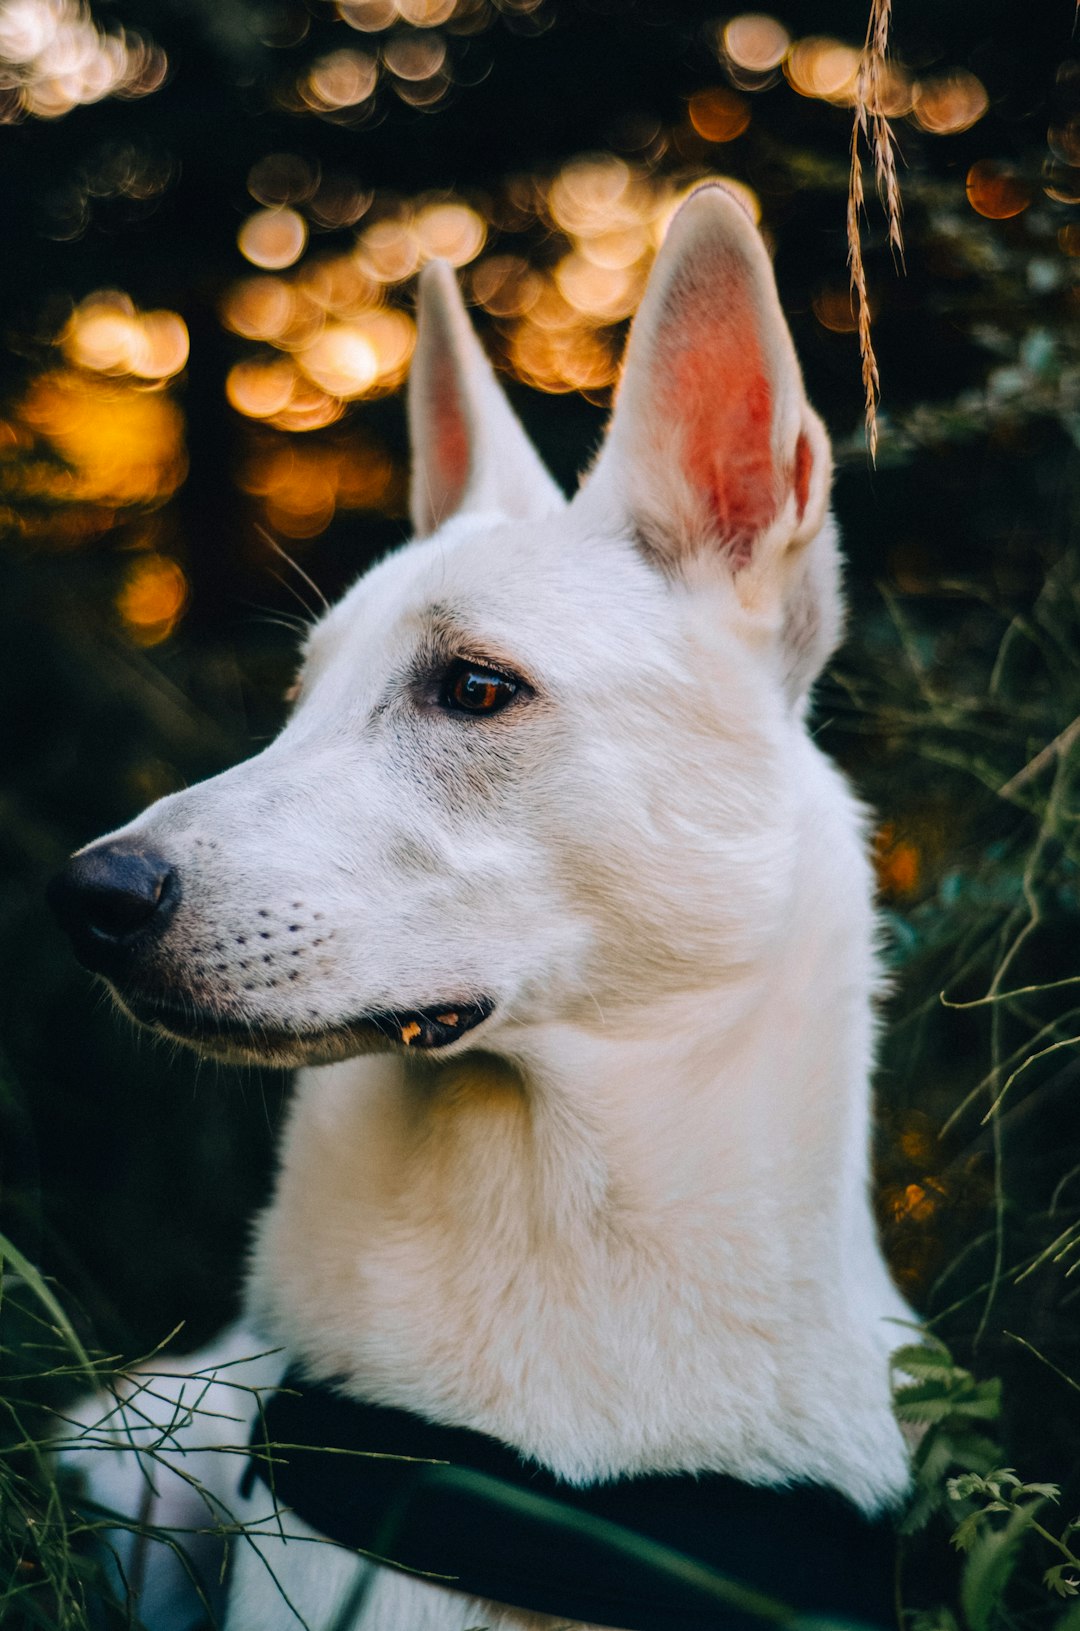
x: 624, y: 1226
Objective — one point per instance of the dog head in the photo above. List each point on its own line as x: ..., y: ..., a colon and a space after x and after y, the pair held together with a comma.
x: 539, y: 762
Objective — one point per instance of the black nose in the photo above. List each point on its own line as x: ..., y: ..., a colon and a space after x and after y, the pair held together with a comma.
x: 111, y: 899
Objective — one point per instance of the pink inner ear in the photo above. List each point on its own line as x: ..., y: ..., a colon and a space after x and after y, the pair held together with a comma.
x: 804, y: 464
x: 450, y: 436
x: 720, y: 392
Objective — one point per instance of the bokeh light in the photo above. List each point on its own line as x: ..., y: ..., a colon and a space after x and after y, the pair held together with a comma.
x: 273, y: 238
x: 950, y: 103
x: 343, y: 79
x: 387, y: 251
x: 834, y: 309
x: 414, y: 56
x: 755, y: 42
x: 260, y: 308
x: 505, y: 285
x: 282, y: 178
x: 122, y: 444
x: 108, y: 335
x: 370, y: 16
x: 260, y: 388
x: 56, y: 58
x: 300, y: 486
x: 719, y: 115
x: 426, y: 13
x: 152, y: 599
x: 823, y: 68
x: 1063, y: 141
x: 996, y: 191
x: 450, y: 232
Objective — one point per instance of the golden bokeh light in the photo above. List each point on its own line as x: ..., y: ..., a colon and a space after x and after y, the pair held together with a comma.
x: 337, y: 285
x: 914, y: 1204
x: 422, y: 93
x: 342, y: 362
x: 505, y: 285
x: 357, y: 359
x: 346, y: 339
x: 616, y: 250
x: 273, y: 238
x: 339, y: 201
x: 834, y: 310
x: 466, y: 16
x: 261, y: 388
x: 552, y: 312
x: 370, y: 16
x: 387, y: 251
x: 152, y: 599
x: 109, y: 336
x: 719, y: 115
x: 755, y: 42
x: 104, y: 334
x: 450, y: 232
x: 282, y: 178
x: 1061, y: 182
x: 425, y: 13
x: 591, y: 195
x: 895, y: 92
x: 1069, y: 238
x: 945, y: 105
x: 301, y: 487
x: 897, y: 863
x: 55, y: 58
x: 27, y: 29
x: 604, y: 294
x: 343, y: 79
x: 165, y: 345
x: 122, y: 443
x: 259, y: 308
x: 307, y: 318
x: 1064, y: 141
x: 309, y: 408
x: 996, y: 191
x: 558, y: 360
x: 823, y: 68
x: 414, y: 56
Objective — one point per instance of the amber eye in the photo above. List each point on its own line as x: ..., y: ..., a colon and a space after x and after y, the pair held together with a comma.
x: 469, y: 689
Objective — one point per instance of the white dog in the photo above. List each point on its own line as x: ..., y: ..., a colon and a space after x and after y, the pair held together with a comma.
x: 568, y: 920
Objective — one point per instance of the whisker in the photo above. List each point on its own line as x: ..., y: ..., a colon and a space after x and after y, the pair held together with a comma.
x: 268, y: 538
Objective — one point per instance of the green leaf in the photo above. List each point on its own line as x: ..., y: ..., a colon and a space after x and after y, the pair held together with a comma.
x: 990, y: 1563
x: 26, y: 1271
x: 920, y: 1359
x: 1056, y: 1580
x: 966, y: 1532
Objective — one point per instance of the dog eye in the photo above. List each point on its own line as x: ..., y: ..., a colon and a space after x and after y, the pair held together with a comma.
x: 470, y: 689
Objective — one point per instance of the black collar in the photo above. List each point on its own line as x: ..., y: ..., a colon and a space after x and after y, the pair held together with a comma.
x: 659, y: 1552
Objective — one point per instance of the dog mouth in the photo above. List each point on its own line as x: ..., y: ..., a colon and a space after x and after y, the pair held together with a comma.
x: 421, y: 1030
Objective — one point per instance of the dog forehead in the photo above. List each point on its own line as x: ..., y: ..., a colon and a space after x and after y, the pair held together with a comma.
x: 529, y: 590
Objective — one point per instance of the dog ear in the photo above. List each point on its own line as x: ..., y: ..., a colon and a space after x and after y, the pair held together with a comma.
x: 713, y: 453
x: 469, y: 449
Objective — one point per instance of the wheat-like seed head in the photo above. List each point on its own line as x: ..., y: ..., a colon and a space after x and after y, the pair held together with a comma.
x: 871, y: 126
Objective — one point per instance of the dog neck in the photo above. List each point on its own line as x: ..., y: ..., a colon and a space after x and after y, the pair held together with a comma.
x: 637, y: 1244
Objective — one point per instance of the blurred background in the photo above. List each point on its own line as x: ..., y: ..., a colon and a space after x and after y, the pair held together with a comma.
x: 213, y: 212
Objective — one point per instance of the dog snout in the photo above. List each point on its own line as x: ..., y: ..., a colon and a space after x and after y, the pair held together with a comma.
x: 112, y: 899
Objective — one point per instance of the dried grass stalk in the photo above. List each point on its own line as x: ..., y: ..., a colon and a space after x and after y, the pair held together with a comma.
x: 871, y: 127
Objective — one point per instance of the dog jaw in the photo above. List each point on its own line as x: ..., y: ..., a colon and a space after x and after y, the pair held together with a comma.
x: 433, y: 1029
